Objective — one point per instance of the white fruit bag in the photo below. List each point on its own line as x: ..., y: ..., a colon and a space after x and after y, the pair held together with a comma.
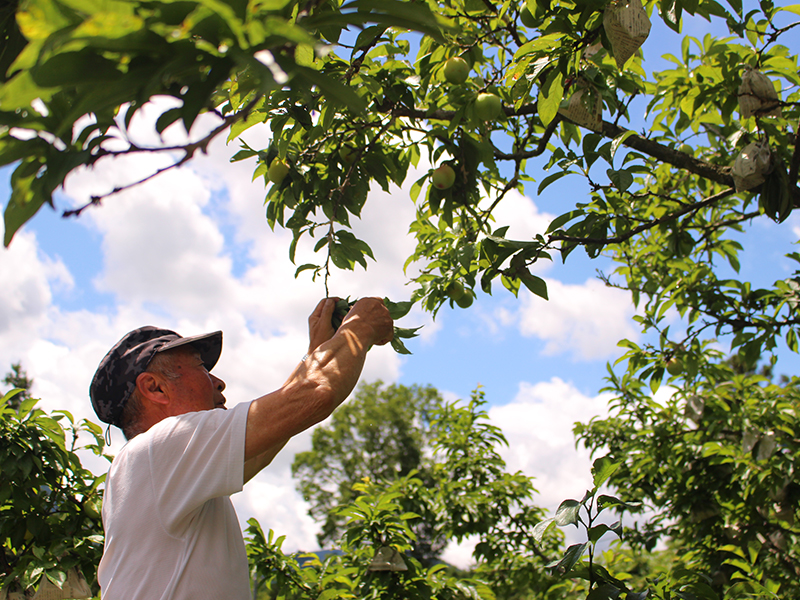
x: 750, y: 167
x: 578, y: 112
x: 627, y: 27
x: 756, y: 92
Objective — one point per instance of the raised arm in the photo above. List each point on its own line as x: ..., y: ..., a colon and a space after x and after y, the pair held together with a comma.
x: 320, y: 383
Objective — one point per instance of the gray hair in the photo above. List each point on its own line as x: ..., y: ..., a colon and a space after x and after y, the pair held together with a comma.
x: 163, y: 364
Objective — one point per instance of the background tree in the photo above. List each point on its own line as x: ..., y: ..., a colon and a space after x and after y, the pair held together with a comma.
x: 18, y: 378
x: 382, y: 434
x: 460, y: 490
x: 49, y: 502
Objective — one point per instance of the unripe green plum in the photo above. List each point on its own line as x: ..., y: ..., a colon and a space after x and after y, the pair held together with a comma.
x: 465, y: 301
x: 455, y: 290
x: 347, y: 154
x: 456, y: 70
x: 443, y: 177
x: 674, y: 366
x: 488, y: 106
x: 277, y: 171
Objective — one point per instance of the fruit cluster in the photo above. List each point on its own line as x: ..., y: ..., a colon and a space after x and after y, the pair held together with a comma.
x: 340, y: 312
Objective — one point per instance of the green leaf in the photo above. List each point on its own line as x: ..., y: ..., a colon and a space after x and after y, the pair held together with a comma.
x: 568, y: 513
x: 598, y: 531
x: 401, y: 333
x: 550, y: 96
x: 605, y: 501
x: 398, y: 310
x: 559, y: 222
x: 9, y: 395
x: 21, y: 90
x: 606, y: 591
x: 551, y: 179
x: 571, y: 556
x: 602, y: 469
x: 619, y: 140
x: 535, y: 284
x: 26, y: 199
x: 74, y: 68
x: 334, y: 90
x: 57, y: 577
x: 792, y: 8
x: 540, y: 528
x: 397, y: 13
x: 305, y: 267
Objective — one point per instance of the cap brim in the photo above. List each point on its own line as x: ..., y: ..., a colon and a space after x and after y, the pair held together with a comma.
x: 209, y: 345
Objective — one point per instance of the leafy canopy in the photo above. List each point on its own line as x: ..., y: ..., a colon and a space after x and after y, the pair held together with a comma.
x: 49, y: 502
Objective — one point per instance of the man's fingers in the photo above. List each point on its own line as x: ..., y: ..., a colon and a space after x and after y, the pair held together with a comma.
x: 319, y: 323
x: 328, y: 306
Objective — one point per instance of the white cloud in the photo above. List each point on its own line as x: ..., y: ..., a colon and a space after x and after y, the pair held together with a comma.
x: 30, y: 279
x: 538, y: 426
x: 585, y: 320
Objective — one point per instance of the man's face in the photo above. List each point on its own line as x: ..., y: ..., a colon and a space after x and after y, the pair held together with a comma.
x: 194, y: 388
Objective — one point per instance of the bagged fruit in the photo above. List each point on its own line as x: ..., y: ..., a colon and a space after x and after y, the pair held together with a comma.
x: 756, y: 93
x: 751, y: 166
x: 579, y: 111
x: 627, y: 27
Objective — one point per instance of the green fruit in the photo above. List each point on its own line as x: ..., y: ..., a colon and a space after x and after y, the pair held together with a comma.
x: 277, y: 171
x: 348, y: 154
x: 91, y: 510
x: 340, y: 312
x: 455, y: 290
x: 674, y: 366
x: 488, y: 106
x: 686, y: 148
x: 465, y: 301
x: 456, y: 70
x: 443, y: 177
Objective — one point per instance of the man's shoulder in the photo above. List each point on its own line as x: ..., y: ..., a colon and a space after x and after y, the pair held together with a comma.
x: 173, y: 433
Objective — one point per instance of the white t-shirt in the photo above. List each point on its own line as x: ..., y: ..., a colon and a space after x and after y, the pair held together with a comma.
x: 171, y: 530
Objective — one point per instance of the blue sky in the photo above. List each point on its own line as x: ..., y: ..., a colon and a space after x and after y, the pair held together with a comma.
x: 192, y: 251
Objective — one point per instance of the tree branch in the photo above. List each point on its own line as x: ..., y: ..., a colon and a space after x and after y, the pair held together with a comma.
x: 717, y: 173
x: 645, y: 226
x: 189, y: 151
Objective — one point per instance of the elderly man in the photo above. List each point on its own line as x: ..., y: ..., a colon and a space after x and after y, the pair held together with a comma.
x: 171, y: 530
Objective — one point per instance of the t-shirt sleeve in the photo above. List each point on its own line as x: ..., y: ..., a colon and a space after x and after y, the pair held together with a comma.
x: 196, y: 457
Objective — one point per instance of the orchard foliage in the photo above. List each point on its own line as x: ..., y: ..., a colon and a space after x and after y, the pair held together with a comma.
x: 49, y: 502
x: 716, y: 465
x: 382, y: 433
x: 355, y: 96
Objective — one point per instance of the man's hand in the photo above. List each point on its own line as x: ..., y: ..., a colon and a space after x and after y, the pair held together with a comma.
x: 320, y: 329
x: 317, y: 386
x: 369, y: 319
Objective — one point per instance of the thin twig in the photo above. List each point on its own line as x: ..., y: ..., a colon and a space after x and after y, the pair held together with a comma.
x: 189, y: 151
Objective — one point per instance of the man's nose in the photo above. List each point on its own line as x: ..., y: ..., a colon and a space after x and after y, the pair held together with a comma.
x: 219, y: 385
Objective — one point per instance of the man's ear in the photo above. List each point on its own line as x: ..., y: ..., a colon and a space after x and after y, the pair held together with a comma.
x: 151, y: 388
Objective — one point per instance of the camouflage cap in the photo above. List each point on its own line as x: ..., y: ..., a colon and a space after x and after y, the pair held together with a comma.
x: 115, y: 378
